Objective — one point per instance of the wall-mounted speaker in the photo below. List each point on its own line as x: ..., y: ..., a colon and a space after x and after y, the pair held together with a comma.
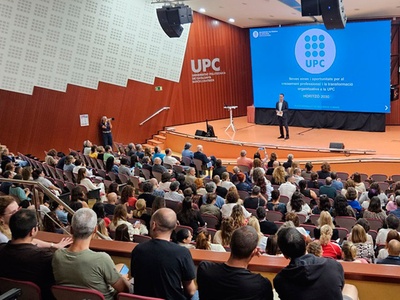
x: 171, y: 18
x: 310, y: 8
x: 333, y: 14
x: 339, y: 146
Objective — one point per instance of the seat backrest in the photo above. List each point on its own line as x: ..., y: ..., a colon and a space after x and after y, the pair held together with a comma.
x: 126, y: 296
x: 302, y: 218
x: 273, y: 216
x: 346, y: 222
x: 284, y: 199
x: 309, y: 228
x: 174, y: 205
x: 211, y: 220
x: 342, y: 232
x: 244, y: 169
x: 30, y: 291
x: 314, y: 219
x: 68, y: 293
x: 252, y: 211
x: 157, y: 175
x: 146, y: 173
x: 179, y: 227
x: 243, y: 194
x: 123, y: 178
x: 342, y: 175
x: 374, y: 224
x: 378, y: 177
x: 138, y: 238
x: 186, y: 160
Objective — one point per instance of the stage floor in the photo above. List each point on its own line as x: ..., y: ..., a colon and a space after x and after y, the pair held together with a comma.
x: 385, y: 144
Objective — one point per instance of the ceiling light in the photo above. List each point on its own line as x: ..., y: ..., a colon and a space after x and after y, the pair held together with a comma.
x: 231, y: 20
x: 202, y: 10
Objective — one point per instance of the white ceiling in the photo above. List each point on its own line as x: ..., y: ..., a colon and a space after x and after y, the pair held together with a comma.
x: 261, y: 13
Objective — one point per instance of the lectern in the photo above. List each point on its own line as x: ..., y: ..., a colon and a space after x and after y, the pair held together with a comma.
x: 231, y: 108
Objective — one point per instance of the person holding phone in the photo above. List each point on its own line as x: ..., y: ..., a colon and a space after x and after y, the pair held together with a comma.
x: 282, y: 108
x: 105, y: 127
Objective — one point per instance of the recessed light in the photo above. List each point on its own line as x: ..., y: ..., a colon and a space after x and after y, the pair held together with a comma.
x: 202, y: 10
x: 231, y: 20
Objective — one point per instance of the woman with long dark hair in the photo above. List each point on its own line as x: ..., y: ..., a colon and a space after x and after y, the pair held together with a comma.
x: 190, y: 217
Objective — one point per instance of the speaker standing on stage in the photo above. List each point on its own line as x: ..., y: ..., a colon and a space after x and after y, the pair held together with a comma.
x: 106, y: 127
x: 282, y: 108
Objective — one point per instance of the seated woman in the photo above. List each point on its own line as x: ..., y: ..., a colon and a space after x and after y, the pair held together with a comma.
x: 314, y: 248
x: 342, y: 208
x: 187, y: 216
x: 278, y: 175
x: 262, y: 239
x: 326, y: 219
x: 298, y: 206
x: 272, y: 248
x: 238, y: 216
x: 349, y: 253
x: 307, y: 192
x: 364, y: 249
x: 98, y: 208
x: 374, y: 190
x: 121, y: 217
x: 224, y: 235
x: 292, y: 216
x: 51, y: 158
x: 110, y: 166
x: 69, y: 163
x: 265, y: 185
x: 184, y: 238
x: 18, y: 190
x: 242, y: 185
x: 359, y: 185
x: 78, y: 196
x: 374, y: 210
x: 122, y: 233
x: 232, y: 198
x: 140, y: 212
x: 329, y: 249
x: 88, y: 184
x: 313, y: 182
x: 51, y: 223
x: 101, y: 227
x: 203, y: 242
x: 323, y: 205
x: 128, y: 197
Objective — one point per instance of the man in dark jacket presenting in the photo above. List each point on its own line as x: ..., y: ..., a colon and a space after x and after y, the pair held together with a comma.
x: 282, y: 108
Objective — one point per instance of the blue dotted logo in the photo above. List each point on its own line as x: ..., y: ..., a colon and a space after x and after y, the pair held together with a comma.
x: 315, y: 51
x: 255, y: 34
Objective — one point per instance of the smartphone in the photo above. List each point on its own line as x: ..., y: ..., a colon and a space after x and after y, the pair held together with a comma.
x: 261, y: 148
x: 124, y: 270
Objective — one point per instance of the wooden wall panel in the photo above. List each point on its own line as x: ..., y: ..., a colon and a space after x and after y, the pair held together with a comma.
x: 46, y: 119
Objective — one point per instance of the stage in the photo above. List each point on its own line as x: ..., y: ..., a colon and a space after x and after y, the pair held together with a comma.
x: 367, y: 152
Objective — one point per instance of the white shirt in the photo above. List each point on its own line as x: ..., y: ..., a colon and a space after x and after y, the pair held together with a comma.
x: 287, y: 189
x: 226, y: 210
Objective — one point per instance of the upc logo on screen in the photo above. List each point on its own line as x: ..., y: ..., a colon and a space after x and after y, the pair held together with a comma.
x: 315, y: 51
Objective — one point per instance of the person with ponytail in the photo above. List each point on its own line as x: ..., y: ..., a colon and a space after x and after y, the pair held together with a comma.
x: 203, y: 242
x: 329, y: 249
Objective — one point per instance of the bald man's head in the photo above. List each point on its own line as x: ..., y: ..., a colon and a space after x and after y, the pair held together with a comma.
x: 163, y: 220
x: 394, y: 248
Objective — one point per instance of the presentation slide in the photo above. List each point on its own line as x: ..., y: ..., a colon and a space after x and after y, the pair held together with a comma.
x: 345, y: 70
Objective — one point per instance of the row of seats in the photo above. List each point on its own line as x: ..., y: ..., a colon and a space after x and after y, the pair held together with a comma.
x: 25, y: 290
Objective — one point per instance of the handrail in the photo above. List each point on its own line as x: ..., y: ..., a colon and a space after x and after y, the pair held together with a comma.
x: 153, y: 115
x: 47, y: 192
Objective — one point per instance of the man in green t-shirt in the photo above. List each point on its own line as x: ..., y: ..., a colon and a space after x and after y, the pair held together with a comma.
x: 81, y: 267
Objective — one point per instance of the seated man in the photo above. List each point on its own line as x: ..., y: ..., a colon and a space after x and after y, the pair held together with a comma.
x: 306, y: 276
x: 211, y: 188
x: 232, y: 279
x: 169, y: 159
x: 207, y: 161
x: 22, y: 260
x: 162, y: 268
x: 174, y: 194
x: 157, y: 167
x: 394, y: 254
x: 328, y: 189
x: 81, y: 267
x: 243, y: 160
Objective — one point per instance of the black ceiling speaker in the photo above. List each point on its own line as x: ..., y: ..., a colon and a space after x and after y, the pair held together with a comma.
x: 171, y: 18
x: 333, y: 14
x: 310, y: 8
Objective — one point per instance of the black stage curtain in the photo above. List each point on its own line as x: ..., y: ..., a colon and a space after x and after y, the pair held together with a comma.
x: 325, y: 119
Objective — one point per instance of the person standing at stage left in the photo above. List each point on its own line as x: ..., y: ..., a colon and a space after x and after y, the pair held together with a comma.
x: 282, y: 108
x: 106, y: 126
